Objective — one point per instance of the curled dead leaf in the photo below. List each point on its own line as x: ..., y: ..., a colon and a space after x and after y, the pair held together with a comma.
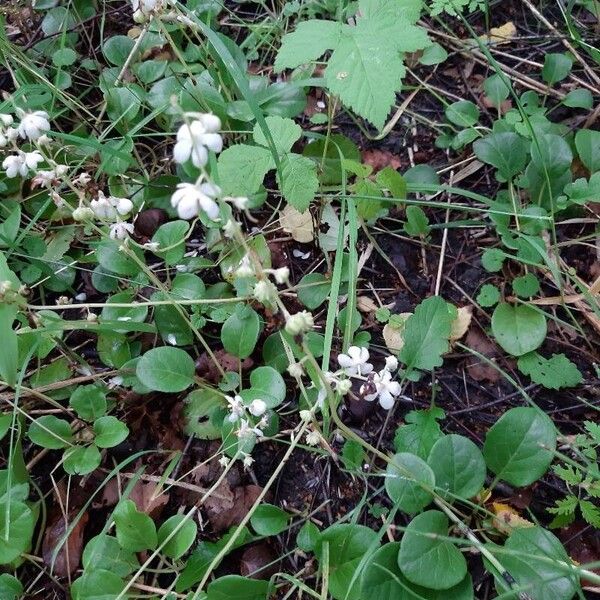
x: 229, y: 506
x: 478, y: 369
x: 507, y: 518
x: 393, y: 333
x: 500, y: 35
x: 460, y: 325
x: 68, y: 557
x: 299, y: 225
x: 366, y: 304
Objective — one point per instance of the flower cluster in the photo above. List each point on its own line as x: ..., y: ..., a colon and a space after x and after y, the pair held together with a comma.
x: 144, y: 9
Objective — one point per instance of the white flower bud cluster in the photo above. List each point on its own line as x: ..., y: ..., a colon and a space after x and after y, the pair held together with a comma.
x: 109, y: 208
x: 144, y: 9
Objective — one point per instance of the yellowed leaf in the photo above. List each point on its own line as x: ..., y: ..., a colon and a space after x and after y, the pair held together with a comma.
x: 393, y: 333
x: 366, y: 304
x: 507, y: 519
x: 460, y: 325
x: 299, y: 225
x: 500, y: 35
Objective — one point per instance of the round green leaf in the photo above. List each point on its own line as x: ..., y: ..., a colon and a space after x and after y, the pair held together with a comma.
x: 552, y: 152
x: 64, y: 57
x: 181, y: 541
x: 518, y: 329
x: 135, y: 530
x: 81, y: 460
x: 308, y: 536
x: 117, y: 48
x: 104, y: 552
x: 382, y: 580
x: 187, y: 286
x: 89, y: 402
x: 579, y: 98
x: 495, y: 89
x: 135, y: 314
x: 313, y: 290
x: 539, y: 563
x: 404, y: 477
x: 587, y: 142
x: 236, y: 587
x: 556, y: 67
x: 520, y: 446
x: 98, y: 584
x: 463, y: 113
x: 266, y: 384
x: 200, y: 407
x: 433, y: 55
x: 109, y: 432
x: 506, y: 151
x: 425, y: 558
x: 347, y: 546
x: 16, y: 529
x: 488, y: 295
x: 269, y: 520
x: 10, y: 587
x: 171, y: 239
x: 50, y: 432
x: 458, y: 466
x: 240, y: 332
x: 114, y: 261
x: 166, y: 369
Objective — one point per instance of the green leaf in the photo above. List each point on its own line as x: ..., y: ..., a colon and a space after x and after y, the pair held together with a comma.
x: 421, y: 432
x: 50, y: 432
x: 285, y: 133
x: 417, y: 223
x: 458, y: 466
x: 308, y: 536
x: 10, y: 587
x: 109, y: 432
x: 166, y: 369
x: 555, y: 372
x: 313, y: 289
x: 16, y: 529
x: 488, y: 295
x: 117, y: 48
x: 89, y: 402
x: 347, y: 546
x: 187, y: 286
x: 172, y: 236
x: 81, y: 460
x: 299, y: 182
x: 492, y: 260
x: 99, y: 584
x: 113, y: 260
x: 266, y: 384
x: 310, y: 40
x: 587, y: 142
x: 236, y: 587
x: 462, y: 113
x: 382, y: 580
x: 269, y: 520
x: 64, y: 57
x: 135, y: 530
x: 9, y: 351
x: 404, y: 478
x: 579, y: 98
x: 329, y: 156
x: 425, y: 558
x: 496, y: 90
x: 520, y: 446
x: 200, y: 406
x: 539, y: 564
x: 104, y: 552
x: 582, y: 191
x: 242, y: 169
x: 590, y: 512
x: 182, y: 540
x: 507, y: 152
x: 240, y: 332
x: 552, y: 152
x: 426, y: 335
x: 433, y: 55
x: 388, y: 178
x: 526, y: 286
x: 556, y: 67
x: 518, y: 329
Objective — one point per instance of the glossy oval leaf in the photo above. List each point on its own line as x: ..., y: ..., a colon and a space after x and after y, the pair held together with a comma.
x: 269, y: 520
x: 518, y: 329
x: 404, y: 478
x: 181, y: 533
x: 240, y: 332
x: 166, y: 369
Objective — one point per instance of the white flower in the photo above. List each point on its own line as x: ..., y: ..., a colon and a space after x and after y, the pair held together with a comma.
x: 240, y: 202
x: 248, y: 461
x: 391, y: 363
x: 306, y: 415
x: 32, y: 159
x: 313, y: 438
x: 299, y: 323
x: 196, y: 138
x: 44, y: 178
x: 14, y: 165
x: 295, y: 370
x: 265, y: 292
x: 83, y: 213
x: 257, y: 407
x: 6, y: 120
x: 224, y: 461
x: 355, y: 362
x: 343, y: 386
x: 247, y: 431
x: 33, y: 125
x: 387, y: 390
x: 189, y: 199
x: 236, y: 408
x: 11, y: 134
x: 110, y: 207
x: 245, y: 268
x: 230, y: 229
x: 281, y: 275
x: 82, y: 179
x: 152, y: 246
x: 121, y: 230
x: 82, y: 297
x: 3, y: 140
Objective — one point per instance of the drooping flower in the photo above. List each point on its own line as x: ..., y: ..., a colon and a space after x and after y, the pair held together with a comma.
x: 110, y: 207
x: 236, y: 408
x: 313, y: 438
x: 196, y: 138
x: 120, y: 230
x: 387, y: 390
x: 22, y: 163
x: 33, y: 125
x: 265, y: 292
x: 299, y: 323
x: 189, y: 199
x: 257, y: 407
x: 356, y: 361
x: 245, y: 268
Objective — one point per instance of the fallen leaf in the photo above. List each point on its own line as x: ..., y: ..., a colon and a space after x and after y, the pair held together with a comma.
x: 228, y: 507
x: 208, y: 370
x: 500, y: 35
x: 477, y: 369
x: 379, y: 159
x: 366, y: 304
x: 142, y: 494
x: 68, y: 557
x: 258, y: 562
x: 299, y: 225
x: 507, y: 518
x: 392, y: 333
x: 460, y: 325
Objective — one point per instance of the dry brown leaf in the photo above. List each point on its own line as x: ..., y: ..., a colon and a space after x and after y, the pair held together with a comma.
x: 379, y: 159
x: 258, y: 562
x: 392, y: 334
x: 507, y: 518
x: 500, y: 35
x: 479, y: 370
x: 142, y: 494
x: 68, y: 557
x: 460, y: 325
x: 366, y: 304
x: 299, y: 225
x: 229, y: 507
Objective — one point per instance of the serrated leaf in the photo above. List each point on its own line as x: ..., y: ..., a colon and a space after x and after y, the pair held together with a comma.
x: 242, y: 169
x: 582, y: 190
x: 590, y: 512
x: 420, y: 433
x: 299, y: 182
x: 283, y: 131
x: 308, y: 42
x: 426, y: 335
x: 554, y: 373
